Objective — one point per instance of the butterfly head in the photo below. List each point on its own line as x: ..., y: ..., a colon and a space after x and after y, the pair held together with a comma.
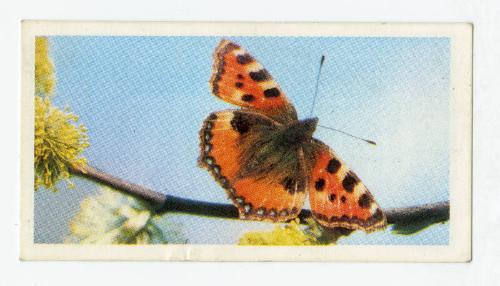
x: 299, y: 131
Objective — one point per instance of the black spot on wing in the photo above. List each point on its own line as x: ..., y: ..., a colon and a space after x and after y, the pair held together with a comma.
x: 364, y: 201
x: 319, y: 185
x: 332, y: 197
x: 272, y: 92
x: 261, y: 75
x: 244, y: 59
x: 349, y: 182
x: 248, y: 98
x: 333, y: 166
x: 240, y: 123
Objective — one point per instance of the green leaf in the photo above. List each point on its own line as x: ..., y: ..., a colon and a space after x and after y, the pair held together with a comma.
x: 413, y: 227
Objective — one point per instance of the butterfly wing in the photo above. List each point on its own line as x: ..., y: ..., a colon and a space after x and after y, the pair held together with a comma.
x: 337, y: 196
x: 225, y: 138
x: 240, y: 79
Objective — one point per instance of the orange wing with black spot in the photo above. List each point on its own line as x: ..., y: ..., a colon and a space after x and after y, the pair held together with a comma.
x: 224, y: 137
x: 240, y: 79
x: 337, y: 196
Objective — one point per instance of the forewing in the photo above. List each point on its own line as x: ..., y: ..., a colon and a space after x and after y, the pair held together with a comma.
x: 240, y: 79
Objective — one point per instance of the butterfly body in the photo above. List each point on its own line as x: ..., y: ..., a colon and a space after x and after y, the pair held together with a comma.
x: 267, y: 159
x: 299, y: 132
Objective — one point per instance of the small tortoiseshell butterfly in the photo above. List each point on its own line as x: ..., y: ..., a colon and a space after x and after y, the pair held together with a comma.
x: 267, y: 160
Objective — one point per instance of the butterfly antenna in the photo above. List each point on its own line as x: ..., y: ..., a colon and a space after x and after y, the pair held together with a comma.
x: 317, y: 84
x: 350, y: 135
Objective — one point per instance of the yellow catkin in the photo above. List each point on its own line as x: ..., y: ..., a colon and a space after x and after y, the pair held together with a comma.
x: 44, y: 70
x: 59, y: 139
x: 59, y: 143
x: 290, y: 234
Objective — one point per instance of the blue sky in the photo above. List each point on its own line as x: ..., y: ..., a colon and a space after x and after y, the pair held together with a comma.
x: 143, y: 100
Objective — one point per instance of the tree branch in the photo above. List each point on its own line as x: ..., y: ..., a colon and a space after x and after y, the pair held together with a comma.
x: 156, y: 199
x: 406, y: 220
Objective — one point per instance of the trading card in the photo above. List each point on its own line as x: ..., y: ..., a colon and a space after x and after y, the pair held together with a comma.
x: 246, y: 141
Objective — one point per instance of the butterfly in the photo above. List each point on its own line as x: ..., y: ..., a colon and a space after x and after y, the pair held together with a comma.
x: 266, y: 158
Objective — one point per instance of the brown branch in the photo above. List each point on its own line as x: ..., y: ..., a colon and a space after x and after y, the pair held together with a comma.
x: 406, y: 220
x: 154, y: 198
